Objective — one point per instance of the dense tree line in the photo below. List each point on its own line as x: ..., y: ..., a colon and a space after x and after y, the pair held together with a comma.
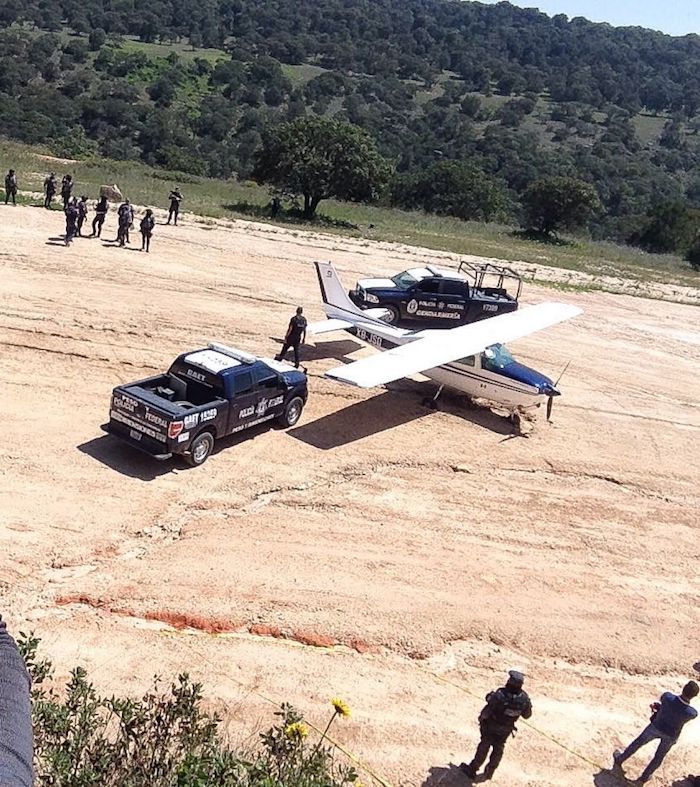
x: 470, y: 104
x: 518, y: 49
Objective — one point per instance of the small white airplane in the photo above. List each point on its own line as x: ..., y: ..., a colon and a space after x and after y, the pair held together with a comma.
x: 470, y: 358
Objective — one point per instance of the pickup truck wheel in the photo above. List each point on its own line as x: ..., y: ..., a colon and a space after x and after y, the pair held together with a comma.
x: 292, y: 412
x: 200, y: 449
x: 392, y: 316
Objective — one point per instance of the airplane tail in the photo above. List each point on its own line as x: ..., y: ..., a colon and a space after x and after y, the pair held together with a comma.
x: 336, y: 302
x: 334, y: 296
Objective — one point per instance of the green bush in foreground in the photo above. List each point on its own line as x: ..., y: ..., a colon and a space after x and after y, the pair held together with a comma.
x: 163, y: 739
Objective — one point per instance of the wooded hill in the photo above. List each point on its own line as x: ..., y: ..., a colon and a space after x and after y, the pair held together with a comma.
x: 516, y: 94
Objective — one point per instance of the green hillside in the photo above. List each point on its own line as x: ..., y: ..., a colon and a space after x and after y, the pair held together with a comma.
x: 510, y: 93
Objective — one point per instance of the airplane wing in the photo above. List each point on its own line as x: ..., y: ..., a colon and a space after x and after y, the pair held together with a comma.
x: 439, y: 347
x: 326, y: 326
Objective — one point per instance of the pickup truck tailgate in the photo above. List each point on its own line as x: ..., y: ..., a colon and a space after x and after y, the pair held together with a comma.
x: 138, y: 415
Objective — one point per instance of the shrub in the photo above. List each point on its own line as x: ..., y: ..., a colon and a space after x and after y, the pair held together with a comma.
x: 164, y: 739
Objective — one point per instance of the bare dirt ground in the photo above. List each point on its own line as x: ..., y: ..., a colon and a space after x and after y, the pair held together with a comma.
x: 432, y: 550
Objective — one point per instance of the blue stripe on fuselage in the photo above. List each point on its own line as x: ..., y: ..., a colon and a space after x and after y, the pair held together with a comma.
x: 524, y: 374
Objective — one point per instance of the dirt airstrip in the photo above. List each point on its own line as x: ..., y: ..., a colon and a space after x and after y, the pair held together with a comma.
x: 431, y: 550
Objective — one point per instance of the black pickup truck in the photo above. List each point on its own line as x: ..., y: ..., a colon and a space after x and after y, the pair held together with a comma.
x: 441, y: 296
x: 206, y: 394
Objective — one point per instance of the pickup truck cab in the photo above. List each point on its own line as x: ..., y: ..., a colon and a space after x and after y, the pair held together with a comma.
x: 205, y: 395
x: 440, y: 296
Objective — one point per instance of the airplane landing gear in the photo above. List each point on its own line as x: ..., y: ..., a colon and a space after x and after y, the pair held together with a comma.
x: 432, y: 403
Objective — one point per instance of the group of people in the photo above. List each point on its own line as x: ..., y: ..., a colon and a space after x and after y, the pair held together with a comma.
x: 506, y: 705
x: 51, y: 188
x: 126, y: 217
x: 76, y: 210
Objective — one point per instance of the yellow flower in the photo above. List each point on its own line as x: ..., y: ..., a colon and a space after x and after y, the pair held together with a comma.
x: 296, y: 730
x: 340, y: 707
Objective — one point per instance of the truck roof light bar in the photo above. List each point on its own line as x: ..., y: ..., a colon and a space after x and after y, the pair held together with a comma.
x: 232, y: 352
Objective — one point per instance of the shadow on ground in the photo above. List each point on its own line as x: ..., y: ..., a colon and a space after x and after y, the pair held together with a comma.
x: 609, y: 777
x: 454, y: 403
x: 399, y: 405
x: 362, y: 419
x: 337, y: 350
x: 614, y: 777
x: 125, y: 460
x: 290, y: 215
x: 131, y: 462
x: 548, y: 239
x: 449, y: 776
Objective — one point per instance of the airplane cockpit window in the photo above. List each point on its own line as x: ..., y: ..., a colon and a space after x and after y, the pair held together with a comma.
x: 470, y: 360
x: 403, y: 280
x: 496, y: 357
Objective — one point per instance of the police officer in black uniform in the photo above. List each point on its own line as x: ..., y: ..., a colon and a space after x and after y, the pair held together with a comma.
x: 497, y: 722
x: 49, y: 190
x: 71, y: 211
x: 82, y: 213
x: 175, y: 200
x: 295, y: 336
x: 66, y: 189
x: 11, y: 187
x: 147, y: 225
x: 101, y: 209
x: 126, y: 218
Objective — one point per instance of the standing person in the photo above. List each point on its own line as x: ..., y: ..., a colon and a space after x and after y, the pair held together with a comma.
x: 66, y: 189
x: 131, y: 219
x: 147, y: 225
x: 11, y: 187
x: 126, y: 217
x: 101, y: 209
x: 71, y: 211
x: 16, y: 747
x: 82, y: 214
x: 49, y: 190
x: 175, y: 200
x: 295, y: 336
x: 669, y: 716
x: 497, y: 722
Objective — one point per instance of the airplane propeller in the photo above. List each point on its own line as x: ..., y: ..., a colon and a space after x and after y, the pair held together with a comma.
x: 550, y: 404
x: 568, y: 363
x: 550, y: 399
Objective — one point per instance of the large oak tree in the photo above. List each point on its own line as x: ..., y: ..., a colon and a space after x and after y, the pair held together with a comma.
x: 552, y: 204
x: 319, y: 158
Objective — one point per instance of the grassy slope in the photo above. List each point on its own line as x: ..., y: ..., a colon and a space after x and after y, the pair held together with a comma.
x: 147, y: 186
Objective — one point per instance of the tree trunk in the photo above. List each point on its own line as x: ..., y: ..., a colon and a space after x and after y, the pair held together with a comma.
x: 310, y: 204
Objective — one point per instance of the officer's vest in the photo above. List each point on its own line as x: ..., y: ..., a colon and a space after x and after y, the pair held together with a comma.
x: 502, y: 718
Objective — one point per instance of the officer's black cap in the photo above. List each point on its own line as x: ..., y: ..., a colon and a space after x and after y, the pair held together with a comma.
x: 516, y: 677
